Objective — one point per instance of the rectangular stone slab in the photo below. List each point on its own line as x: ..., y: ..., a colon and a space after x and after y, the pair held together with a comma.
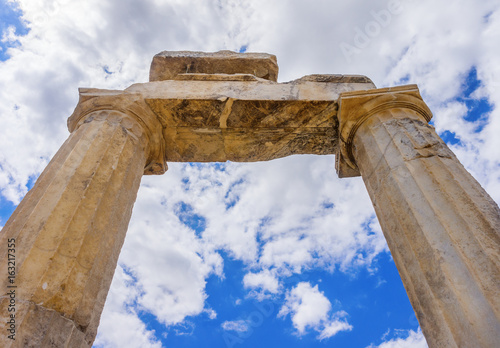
x: 167, y: 65
x: 242, y: 118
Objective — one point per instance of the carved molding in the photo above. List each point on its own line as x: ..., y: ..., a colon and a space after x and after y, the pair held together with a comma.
x: 358, y: 106
x: 131, y: 105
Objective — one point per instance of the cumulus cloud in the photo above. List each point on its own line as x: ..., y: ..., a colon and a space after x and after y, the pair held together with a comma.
x: 119, y: 312
x: 310, y: 309
x: 236, y: 325
x: 411, y: 339
x: 264, y: 280
x: 170, y: 261
x: 211, y: 313
x: 332, y: 328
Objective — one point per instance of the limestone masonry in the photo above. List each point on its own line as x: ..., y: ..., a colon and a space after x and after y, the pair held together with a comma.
x: 441, y: 226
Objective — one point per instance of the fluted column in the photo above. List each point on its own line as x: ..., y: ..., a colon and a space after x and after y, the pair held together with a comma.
x: 69, y: 229
x: 441, y: 226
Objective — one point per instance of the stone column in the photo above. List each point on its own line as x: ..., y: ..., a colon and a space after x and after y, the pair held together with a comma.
x: 70, y: 227
x: 441, y: 226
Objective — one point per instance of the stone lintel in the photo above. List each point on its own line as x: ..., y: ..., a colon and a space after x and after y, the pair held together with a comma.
x: 168, y: 65
x: 355, y: 107
x: 239, y: 117
x: 240, y: 86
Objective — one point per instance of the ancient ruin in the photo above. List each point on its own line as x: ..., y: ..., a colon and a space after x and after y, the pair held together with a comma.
x: 441, y: 226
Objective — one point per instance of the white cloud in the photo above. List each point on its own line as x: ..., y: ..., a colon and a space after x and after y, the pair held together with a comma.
x: 263, y: 282
x: 211, y: 313
x: 310, y: 309
x: 236, y: 325
x: 171, y: 263
x: 333, y: 328
x: 412, y: 340
x: 9, y: 34
x: 119, y: 313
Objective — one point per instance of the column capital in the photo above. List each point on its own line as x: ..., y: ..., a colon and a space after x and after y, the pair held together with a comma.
x: 94, y: 101
x: 358, y: 106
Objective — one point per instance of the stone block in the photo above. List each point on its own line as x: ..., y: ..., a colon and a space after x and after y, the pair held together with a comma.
x: 169, y: 65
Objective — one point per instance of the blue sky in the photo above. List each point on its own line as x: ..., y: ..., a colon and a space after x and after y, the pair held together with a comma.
x: 10, y: 20
x: 267, y: 254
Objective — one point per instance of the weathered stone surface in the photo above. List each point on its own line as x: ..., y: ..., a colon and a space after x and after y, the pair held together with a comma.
x: 92, y: 100
x: 240, y: 117
x: 42, y: 327
x: 204, y: 130
x: 358, y: 107
x: 441, y: 226
x: 335, y: 78
x: 69, y: 230
x: 168, y: 65
x: 218, y: 77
